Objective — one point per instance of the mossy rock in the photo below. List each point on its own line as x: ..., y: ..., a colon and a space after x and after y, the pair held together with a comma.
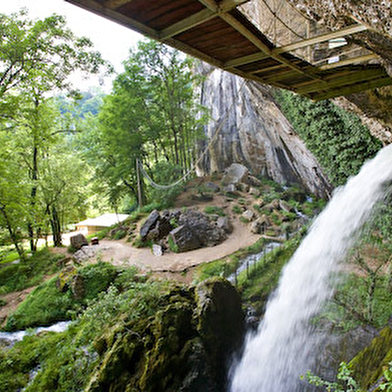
x: 179, y: 348
x: 368, y: 366
x: 220, y: 321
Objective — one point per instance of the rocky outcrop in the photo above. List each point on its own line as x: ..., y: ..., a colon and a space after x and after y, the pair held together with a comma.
x: 185, y: 346
x: 254, y: 132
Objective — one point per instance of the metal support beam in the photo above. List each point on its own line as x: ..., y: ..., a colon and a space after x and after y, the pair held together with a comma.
x: 262, y: 46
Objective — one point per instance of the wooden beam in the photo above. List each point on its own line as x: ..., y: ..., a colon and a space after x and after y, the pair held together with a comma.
x: 198, y: 18
x: 228, y: 5
x: 251, y: 58
x: 350, y: 61
x: 113, y: 4
x: 283, y: 75
x: 320, y: 38
x: 95, y: 7
x: 186, y: 24
x: 333, y: 81
x: 353, y: 89
x: 268, y: 69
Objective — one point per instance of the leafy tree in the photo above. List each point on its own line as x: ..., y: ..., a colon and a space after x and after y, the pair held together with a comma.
x: 151, y: 116
x: 36, y: 59
x: 337, y: 138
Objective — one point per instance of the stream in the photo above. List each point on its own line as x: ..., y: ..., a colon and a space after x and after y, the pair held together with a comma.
x: 10, y: 338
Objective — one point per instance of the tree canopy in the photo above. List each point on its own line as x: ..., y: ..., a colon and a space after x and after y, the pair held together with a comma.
x: 37, y: 58
x: 152, y: 115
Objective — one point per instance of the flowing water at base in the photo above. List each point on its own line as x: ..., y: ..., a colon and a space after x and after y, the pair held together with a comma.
x: 281, y: 350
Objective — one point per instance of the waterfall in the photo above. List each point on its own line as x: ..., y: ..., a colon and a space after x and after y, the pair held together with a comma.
x: 281, y: 349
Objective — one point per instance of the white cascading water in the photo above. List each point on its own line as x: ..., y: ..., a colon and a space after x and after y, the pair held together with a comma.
x: 281, y: 350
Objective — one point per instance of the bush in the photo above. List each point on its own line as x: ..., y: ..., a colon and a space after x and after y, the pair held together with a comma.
x: 237, y: 209
x: 97, y: 278
x: 119, y: 234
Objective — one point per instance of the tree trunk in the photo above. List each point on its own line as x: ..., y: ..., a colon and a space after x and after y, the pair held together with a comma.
x: 13, y: 235
x: 34, y: 177
x: 56, y: 227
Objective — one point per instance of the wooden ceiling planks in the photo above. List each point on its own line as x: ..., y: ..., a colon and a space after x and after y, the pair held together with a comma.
x: 217, y: 32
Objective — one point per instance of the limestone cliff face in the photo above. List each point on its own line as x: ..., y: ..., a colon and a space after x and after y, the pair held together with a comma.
x: 253, y: 131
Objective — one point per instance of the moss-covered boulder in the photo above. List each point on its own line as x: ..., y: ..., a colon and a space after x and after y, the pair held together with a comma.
x: 184, y: 346
x: 369, y: 365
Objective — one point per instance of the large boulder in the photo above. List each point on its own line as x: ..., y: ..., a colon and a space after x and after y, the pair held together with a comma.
x: 78, y: 240
x: 235, y: 174
x: 149, y: 224
x: 185, y: 239
x: 196, y: 231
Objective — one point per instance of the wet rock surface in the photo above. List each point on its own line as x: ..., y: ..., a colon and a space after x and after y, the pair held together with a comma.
x: 186, y: 346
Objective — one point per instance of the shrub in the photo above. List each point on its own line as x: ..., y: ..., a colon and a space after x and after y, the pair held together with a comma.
x: 237, y: 209
x: 214, y: 210
x: 119, y: 234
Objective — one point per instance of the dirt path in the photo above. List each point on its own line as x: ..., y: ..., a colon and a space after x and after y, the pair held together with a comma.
x: 13, y: 300
x: 122, y: 253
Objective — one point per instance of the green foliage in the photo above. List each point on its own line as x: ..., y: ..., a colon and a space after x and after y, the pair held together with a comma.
x: 345, y: 381
x: 223, y: 268
x: 214, y: 210
x: 337, y: 138
x: 263, y: 277
x: 172, y: 245
x: 119, y: 234
x: 40, y: 191
x: 97, y: 278
x: 28, y: 273
x: 237, y: 209
x: 228, y: 265
x: 387, y: 384
x: 48, y: 304
x: 68, y: 359
x: 351, y: 305
x: 151, y: 116
x: 44, y: 306
x: 100, y: 234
